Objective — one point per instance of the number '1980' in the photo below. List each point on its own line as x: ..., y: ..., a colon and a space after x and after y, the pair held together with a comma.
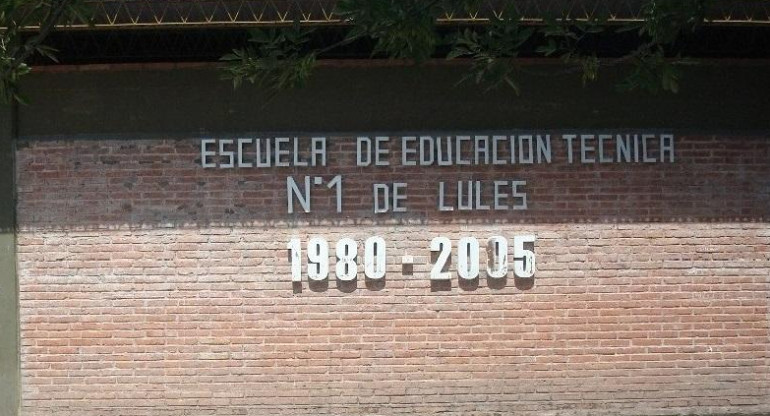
x: 375, y: 258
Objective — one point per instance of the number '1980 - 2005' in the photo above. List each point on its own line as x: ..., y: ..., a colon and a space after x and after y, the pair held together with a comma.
x: 375, y: 258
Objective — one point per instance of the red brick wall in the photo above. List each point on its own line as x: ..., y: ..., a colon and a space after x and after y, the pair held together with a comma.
x: 152, y: 286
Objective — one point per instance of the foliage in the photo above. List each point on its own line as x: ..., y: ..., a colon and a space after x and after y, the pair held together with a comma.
x: 410, y: 29
x: 400, y: 28
x: 18, y: 43
x: 651, y: 71
x: 283, y: 58
x: 565, y: 36
x: 275, y: 56
x: 491, y: 50
x: 665, y: 20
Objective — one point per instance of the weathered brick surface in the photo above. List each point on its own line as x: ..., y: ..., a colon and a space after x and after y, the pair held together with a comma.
x: 151, y: 286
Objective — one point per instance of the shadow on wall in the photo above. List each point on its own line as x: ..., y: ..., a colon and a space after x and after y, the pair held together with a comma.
x: 376, y: 285
x: 161, y: 184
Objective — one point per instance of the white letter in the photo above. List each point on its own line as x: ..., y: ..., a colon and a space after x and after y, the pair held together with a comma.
x: 229, y: 153
x: 292, y: 189
x: 646, y: 159
x: 381, y: 151
x: 441, y: 160
x: 279, y: 151
x: 205, y: 153
x: 297, y: 160
x: 544, y: 148
x: 427, y: 155
x: 399, y: 194
x: 530, y: 158
x: 569, y: 138
x: 363, y: 157
x: 516, y: 194
x: 479, y: 205
x: 495, y: 150
x: 459, y: 150
x: 378, y: 189
x: 441, y: 206
x: 602, y: 138
x: 406, y: 151
x: 464, y: 205
x: 636, y: 148
x: 241, y: 163
x: 266, y: 163
x: 623, y: 148
x: 318, y: 150
x: 481, y: 148
x: 585, y: 148
x: 337, y: 182
x: 499, y: 195
x: 667, y: 146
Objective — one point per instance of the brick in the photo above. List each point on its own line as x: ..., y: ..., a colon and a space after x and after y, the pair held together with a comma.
x: 150, y: 286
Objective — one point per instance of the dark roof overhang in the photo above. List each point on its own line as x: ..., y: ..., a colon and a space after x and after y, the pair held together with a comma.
x: 121, y: 14
x: 138, y: 31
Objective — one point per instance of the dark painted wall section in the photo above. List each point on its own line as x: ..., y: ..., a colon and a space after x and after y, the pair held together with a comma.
x: 168, y: 103
x: 9, y: 292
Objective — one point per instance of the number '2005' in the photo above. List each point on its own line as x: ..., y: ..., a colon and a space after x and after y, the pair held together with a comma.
x: 468, y: 254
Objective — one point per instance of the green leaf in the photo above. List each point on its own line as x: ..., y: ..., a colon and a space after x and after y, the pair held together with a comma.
x: 457, y: 52
x: 547, y: 50
x: 401, y: 29
x: 512, y: 84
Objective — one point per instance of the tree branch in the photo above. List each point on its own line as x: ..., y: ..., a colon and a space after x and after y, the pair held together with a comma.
x: 55, y: 14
